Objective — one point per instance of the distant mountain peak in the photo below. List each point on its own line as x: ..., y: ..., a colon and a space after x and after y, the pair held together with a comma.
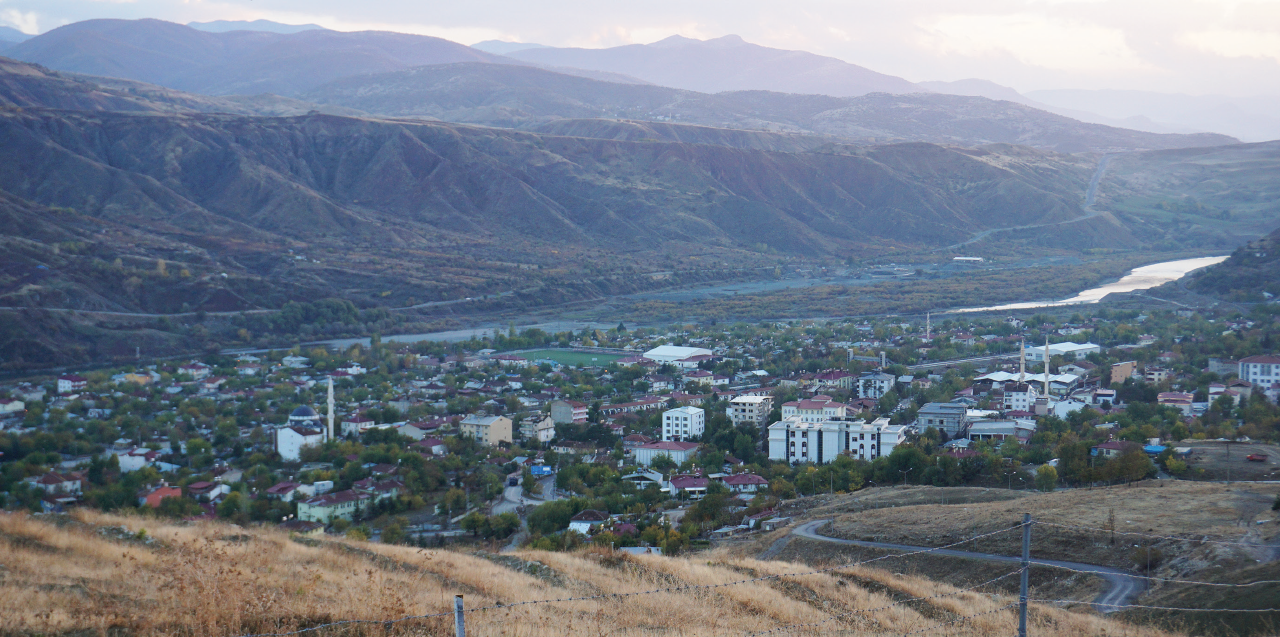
x: 502, y: 47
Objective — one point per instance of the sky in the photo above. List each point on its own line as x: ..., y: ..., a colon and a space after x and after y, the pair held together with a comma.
x: 1178, y: 46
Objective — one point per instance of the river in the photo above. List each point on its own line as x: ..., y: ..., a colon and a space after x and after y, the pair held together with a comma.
x: 1143, y: 278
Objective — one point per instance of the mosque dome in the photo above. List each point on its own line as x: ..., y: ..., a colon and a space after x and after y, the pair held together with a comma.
x: 304, y: 414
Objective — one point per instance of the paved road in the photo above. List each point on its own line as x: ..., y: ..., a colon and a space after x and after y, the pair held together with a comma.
x: 1122, y: 587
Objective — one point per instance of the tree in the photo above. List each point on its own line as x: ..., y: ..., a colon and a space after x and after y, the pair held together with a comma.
x: 529, y: 484
x: 662, y: 463
x: 394, y: 533
x: 1046, y: 478
x: 475, y: 522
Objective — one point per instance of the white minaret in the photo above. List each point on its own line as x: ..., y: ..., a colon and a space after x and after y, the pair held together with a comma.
x: 928, y: 327
x: 330, y: 436
x: 1046, y: 364
x: 1022, y: 362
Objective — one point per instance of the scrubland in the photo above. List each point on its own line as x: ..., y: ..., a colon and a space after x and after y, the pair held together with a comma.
x: 97, y: 574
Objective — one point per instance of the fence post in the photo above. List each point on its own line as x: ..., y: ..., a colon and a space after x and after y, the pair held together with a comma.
x: 1026, y: 570
x: 460, y: 621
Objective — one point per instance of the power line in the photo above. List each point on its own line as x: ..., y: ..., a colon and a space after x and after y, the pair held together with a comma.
x: 1199, y: 610
x: 1159, y: 579
x: 1161, y: 537
x: 886, y: 607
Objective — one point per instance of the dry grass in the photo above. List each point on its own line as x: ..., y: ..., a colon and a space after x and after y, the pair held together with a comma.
x: 85, y: 576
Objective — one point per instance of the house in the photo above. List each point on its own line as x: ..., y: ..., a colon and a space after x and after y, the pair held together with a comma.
x: 489, y: 430
x: 745, y: 483
x: 248, y: 369
x: 1178, y: 400
x: 796, y: 440
x: 341, y: 504
x: 303, y: 528
x: 660, y: 383
x: 750, y: 409
x: 57, y: 483
x: 575, y: 447
x: 1121, y: 371
x: 354, y: 369
x: 951, y: 418
x: 379, y: 490
x: 72, y: 383
x: 284, y: 491
x: 629, y: 443
x: 588, y: 520
x: 679, y: 452
x: 135, y: 459
x: 418, y: 430
x: 291, y: 440
x: 543, y: 430
x: 692, y: 487
x: 433, y: 446
x: 295, y: 362
x: 10, y: 406
x: 1112, y: 448
x: 568, y: 411
x: 356, y: 425
x: 1263, y: 371
x: 1079, y: 368
x: 1155, y: 375
x: 833, y: 379
x: 683, y: 423
x: 197, y: 370
x: 154, y: 496
x: 209, y: 490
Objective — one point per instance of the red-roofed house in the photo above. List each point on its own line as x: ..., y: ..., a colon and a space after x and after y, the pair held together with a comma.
x: 745, y: 483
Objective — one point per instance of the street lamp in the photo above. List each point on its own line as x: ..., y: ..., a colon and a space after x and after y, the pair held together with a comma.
x: 904, y: 473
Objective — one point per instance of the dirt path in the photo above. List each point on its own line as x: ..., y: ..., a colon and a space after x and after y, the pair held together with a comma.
x: 1121, y: 587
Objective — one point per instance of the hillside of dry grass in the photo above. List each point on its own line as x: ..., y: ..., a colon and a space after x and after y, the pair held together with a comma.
x: 94, y: 574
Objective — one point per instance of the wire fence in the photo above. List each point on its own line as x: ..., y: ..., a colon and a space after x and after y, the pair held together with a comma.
x: 459, y: 613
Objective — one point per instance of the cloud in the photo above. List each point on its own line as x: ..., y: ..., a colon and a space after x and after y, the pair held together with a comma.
x: 1236, y: 43
x: 27, y: 22
x: 1035, y: 40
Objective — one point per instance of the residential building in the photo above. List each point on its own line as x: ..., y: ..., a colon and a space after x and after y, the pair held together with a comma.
x: 10, y: 406
x: 197, y: 371
x: 291, y: 440
x: 750, y: 409
x: 342, y: 504
x: 1262, y: 371
x: 875, y: 385
x: 356, y: 425
x: 588, y: 520
x: 683, y: 423
x: 1020, y: 397
x: 745, y: 483
x: 951, y: 418
x: 816, y: 409
x: 154, y: 496
x: 679, y: 452
x: 1176, y: 399
x: 1067, y: 350
x: 568, y: 411
x: 795, y: 440
x: 543, y: 430
x: 284, y: 491
x: 72, y: 383
x: 689, y: 486
x: 1155, y: 375
x: 490, y: 430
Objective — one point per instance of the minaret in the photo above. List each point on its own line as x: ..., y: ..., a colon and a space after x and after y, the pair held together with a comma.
x: 928, y: 327
x: 330, y: 436
x: 1022, y: 362
x: 1046, y: 364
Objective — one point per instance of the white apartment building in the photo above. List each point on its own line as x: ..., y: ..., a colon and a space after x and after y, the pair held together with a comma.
x: 1020, y: 397
x: 874, y: 385
x: 750, y: 409
x: 795, y: 440
x: 1260, y: 371
x: 816, y: 409
x: 683, y: 423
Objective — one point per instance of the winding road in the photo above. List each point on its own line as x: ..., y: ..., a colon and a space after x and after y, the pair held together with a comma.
x: 1087, y: 208
x: 1122, y: 587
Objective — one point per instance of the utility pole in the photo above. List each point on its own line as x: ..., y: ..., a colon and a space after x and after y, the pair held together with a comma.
x: 1026, y: 568
x: 460, y: 619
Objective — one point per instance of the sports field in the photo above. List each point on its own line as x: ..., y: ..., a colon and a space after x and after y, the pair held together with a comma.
x: 570, y: 358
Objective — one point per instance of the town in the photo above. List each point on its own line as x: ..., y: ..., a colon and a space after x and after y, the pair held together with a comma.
x: 647, y: 439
